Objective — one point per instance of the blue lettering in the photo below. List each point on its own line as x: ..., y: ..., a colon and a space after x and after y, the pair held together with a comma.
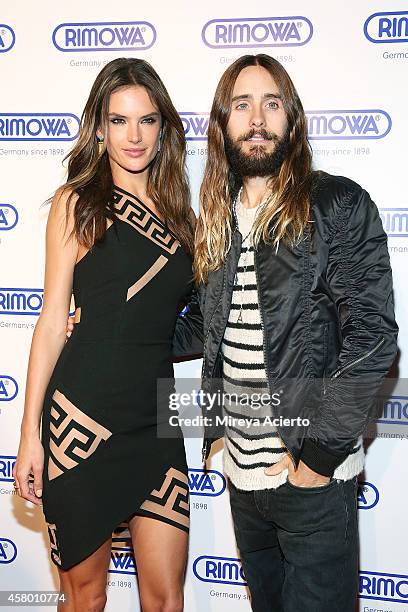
x: 93, y: 37
x: 135, y: 36
x: 230, y: 571
x: 345, y: 124
x: 370, y: 125
x: 384, y: 27
x: 3, y: 390
x: 21, y: 301
x: 394, y: 409
x: 395, y: 222
x: 393, y: 28
x: 224, y: 570
x: 52, y: 126
x: 283, y: 31
x: 383, y: 586
x: 199, y: 125
x: 55, y: 127
x: 211, y: 569
x: 123, y: 561
x: 221, y: 33
x: 109, y: 40
x: 2, y: 42
x: 3, y: 218
x: 239, y: 33
x: 361, y: 497
x: 6, y: 468
x: 33, y: 127
x: 87, y: 37
x: 267, y: 31
x: 207, y: 485
x: 126, y: 36
x: 402, y: 583
x: 293, y: 32
x: 365, y: 584
x: 264, y: 32
x: 200, y: 482
x: 70, y: 37
x: 3, y: 556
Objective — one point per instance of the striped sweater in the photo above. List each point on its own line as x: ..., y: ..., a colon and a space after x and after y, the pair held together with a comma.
x: 248, y: 448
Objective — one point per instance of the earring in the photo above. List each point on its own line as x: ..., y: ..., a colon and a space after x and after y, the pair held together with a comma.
x: 100, y: 141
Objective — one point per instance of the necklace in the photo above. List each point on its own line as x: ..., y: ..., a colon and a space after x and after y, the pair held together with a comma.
x: 248, y: 248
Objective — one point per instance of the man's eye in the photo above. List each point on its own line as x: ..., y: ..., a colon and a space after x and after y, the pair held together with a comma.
x: 273, y: 104
x: 242, y: 105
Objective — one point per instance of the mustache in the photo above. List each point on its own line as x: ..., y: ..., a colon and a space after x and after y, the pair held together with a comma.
x: 262, y: 132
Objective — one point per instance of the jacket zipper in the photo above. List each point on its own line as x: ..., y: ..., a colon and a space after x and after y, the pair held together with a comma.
x: 263, y: 339
x: 325, y: 351
x: 205, y: 443
x: 350, y: 365
x: 212, y: 316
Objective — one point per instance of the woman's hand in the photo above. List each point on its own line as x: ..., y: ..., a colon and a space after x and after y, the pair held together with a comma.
x: 29, y: 463
x: 70, y: 326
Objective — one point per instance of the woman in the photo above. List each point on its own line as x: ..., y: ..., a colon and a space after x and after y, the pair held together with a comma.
x: 120, y: 234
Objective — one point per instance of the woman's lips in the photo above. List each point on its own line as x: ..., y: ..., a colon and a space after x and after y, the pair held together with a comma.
x: 134, y: 152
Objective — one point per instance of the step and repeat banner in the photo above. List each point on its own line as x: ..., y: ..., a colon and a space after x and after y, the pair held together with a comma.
x: 349, y: 62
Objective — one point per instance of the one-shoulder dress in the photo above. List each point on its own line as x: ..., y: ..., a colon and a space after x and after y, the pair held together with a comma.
x: 104, y: 461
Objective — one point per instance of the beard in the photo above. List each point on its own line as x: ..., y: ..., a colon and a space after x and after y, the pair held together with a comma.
x: 257, y: 162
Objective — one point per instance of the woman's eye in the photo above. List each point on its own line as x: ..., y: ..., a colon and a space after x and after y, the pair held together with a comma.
x: 149, y: 120
x: 117, y: 121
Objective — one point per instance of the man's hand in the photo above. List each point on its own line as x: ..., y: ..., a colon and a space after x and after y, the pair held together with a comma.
x: 302, y: 477
x: 70, y: 326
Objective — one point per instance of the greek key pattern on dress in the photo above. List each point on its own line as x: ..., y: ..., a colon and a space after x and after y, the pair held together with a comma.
x: 52, y: 533
x: 132, y: 211
x: 171, y: 501
x: 74, y: 435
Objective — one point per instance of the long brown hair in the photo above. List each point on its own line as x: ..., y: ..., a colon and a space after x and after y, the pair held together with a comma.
x: 89, y: 173
x: 287, y: 213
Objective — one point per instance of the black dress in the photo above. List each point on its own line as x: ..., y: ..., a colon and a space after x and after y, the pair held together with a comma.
x: 104, y: 461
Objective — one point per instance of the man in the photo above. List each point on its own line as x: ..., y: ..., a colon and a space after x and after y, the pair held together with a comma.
x: 296, y: 296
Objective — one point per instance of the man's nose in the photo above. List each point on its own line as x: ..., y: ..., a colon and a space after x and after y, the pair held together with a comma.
x: 257, y: 118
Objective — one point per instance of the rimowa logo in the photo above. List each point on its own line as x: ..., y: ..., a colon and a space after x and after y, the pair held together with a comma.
x: 257, y: 32
x: 104, y: 36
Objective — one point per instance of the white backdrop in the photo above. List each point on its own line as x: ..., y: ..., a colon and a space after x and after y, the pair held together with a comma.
x: 349, y: 62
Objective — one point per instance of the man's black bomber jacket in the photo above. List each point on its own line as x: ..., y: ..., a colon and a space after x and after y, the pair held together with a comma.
x: 327, y: 313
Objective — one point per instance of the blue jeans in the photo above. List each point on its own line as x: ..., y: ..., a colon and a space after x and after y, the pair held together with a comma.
x: 299, y: 546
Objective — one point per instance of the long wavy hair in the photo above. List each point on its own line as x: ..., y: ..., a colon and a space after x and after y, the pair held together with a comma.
x: 286, y: 215
x: 89, y: 177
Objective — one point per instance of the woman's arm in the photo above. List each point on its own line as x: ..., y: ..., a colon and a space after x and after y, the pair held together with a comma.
x: 47, y: 343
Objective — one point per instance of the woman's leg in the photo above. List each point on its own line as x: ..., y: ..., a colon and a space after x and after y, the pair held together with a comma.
x: 85, y: 584
x: 161, y: 556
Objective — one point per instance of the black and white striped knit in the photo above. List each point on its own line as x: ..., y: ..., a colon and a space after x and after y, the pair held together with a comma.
x: 249, y: 449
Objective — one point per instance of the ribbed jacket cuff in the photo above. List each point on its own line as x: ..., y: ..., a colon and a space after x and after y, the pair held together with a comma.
x: 320, y: 460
